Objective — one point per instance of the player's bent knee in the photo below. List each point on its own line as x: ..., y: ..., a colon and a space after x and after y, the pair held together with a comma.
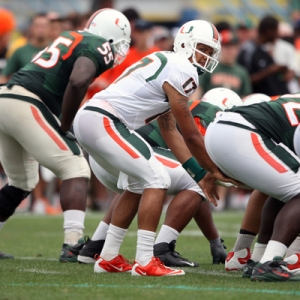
x: 76, y: 167
x: 10, y: 198
x: 162, y: 180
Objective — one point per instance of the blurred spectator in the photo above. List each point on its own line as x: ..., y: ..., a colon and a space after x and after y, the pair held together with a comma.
x: 297, y: 42
x: 7, y: 26
x: 56, y: 25
x: 245, y: 31
x: 38, y: 39
x: 223, y: 25
x: 267, y: 77
x: 284, y: 53
x: 132, y: 15
x: 294, y: 10
x: 163, y: 38
x: 228, y: 73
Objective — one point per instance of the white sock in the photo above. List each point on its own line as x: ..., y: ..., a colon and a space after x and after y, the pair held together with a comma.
x: 258, y: 251
x: 166, y: 234
x: 73, y: 226
x: 273, y: 249
x: 144, y: 249
x: 243, y: 241
x: 113, y: 241
x: 2, y: 224
x: 101, y: 231
x: 293, y: 248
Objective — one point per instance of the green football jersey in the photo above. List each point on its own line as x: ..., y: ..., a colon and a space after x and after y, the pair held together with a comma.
x: 276, y: 119
x: 47, y: 75
x: 206, y: 112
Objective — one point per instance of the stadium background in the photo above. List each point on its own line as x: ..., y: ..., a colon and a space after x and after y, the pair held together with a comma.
x: 161, y: 11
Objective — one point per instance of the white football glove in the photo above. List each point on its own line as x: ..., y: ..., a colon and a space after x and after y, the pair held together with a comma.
x: 225, y: 184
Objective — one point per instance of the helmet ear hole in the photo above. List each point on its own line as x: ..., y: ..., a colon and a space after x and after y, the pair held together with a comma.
x: 182, y: 45
x: 111, y: 41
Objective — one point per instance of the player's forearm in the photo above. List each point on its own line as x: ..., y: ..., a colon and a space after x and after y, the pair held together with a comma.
x: 72, y: 100
x: 198, y: 150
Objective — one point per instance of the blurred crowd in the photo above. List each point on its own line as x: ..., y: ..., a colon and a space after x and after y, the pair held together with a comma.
x: 255, y: 58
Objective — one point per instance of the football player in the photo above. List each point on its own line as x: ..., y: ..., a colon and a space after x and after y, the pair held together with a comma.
x: 263, y: 141
x: 37, y: 108
x: 188, y: 200
x: 158, y: 86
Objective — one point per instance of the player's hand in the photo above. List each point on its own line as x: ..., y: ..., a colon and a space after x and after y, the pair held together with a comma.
x: 208, y: 186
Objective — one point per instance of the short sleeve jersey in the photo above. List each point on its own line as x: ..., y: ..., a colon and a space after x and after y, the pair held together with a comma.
x: 277, y: 119
x: 138, y: 96
x: 47, y: 75
x: 203, y: 113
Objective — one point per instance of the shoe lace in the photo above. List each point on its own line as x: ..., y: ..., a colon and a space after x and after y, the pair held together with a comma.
x: 124, y: 259
x: 157, y: 262
x: 172, y: 246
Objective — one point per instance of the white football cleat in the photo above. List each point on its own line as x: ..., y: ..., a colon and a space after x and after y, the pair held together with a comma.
x: 293, y: 263
x: 236, y: 261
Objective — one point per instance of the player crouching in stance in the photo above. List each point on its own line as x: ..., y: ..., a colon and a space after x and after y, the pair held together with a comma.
x: 263, y: 142
x: 188, y: 201
x: 37, y: 107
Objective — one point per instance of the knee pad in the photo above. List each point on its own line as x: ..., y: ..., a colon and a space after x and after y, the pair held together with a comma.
x: 10, y: 198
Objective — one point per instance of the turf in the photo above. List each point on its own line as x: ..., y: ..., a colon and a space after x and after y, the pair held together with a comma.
x: 35, y: 273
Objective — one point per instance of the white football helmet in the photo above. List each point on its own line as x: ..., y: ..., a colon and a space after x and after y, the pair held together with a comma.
x: 113, y: 26
x: 255, y: 98
x: 198, y: 32
x: 222, y: 97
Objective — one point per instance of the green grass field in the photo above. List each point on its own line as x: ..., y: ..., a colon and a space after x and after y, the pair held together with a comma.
x: 35, y: 241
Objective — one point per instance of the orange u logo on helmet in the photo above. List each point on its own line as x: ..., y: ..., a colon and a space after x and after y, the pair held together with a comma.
x: 190, y: 29
x: 122, y: 28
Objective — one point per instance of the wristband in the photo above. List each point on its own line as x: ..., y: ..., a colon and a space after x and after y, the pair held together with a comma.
x: 194, y: 169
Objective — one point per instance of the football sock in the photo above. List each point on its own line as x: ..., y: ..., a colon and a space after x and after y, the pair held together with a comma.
x: 243, y: 241
x: 258, y: 251
x: 100, y: 233
x: 73, y: 226
x: 144, y: 249
x: 166, y: 234
x: 113, y: 241
x: 273, y: 249
x: 294, y: 247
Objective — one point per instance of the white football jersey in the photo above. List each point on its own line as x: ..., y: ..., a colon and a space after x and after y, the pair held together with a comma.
x: 137, y: 95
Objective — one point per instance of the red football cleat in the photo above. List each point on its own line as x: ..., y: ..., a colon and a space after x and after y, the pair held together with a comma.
x: 293, y: 263
x: 155, y: 268
x: 117, y: 265
x: 236, y: 261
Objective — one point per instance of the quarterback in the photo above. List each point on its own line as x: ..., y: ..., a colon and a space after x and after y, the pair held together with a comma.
x: 37, y: 107
x: 156, y: 87
x: 187, y: 202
